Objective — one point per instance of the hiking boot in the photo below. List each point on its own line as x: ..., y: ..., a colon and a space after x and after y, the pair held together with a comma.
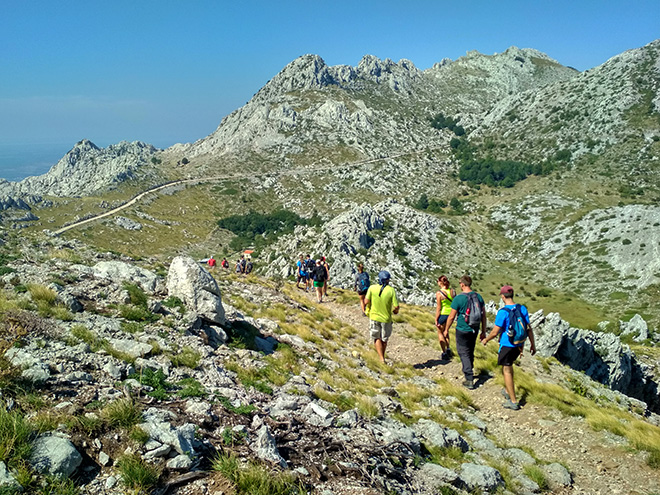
x: 505, y: 394
x: 511, y: 405
x: 469, y: 384
x: 443, y: 356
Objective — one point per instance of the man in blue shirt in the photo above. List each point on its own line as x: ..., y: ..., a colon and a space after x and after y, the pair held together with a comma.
x: 509, y: 351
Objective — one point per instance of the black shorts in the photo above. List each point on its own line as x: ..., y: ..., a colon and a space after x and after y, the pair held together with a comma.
x: 362, y: 292
x: 442, y: 319
x: 508, y: 355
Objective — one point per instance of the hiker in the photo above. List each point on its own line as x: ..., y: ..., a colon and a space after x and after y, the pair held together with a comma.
x: 380, y: 304
x: 301, y: 273
x: 248, y: 266
x: 512, y: 326
x: 239, y: 266
x: 224, y: 263
x: 319, y: 275
x: 243, y: 263
x: 310, y: 265
x: 211, y: 262
x: 469, y: 310
x: 443, y: 298
x: 361, y: 286
x: 324, y: 262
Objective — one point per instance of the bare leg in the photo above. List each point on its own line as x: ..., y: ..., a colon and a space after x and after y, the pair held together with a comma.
x: 380, y: 349
x: 363, y: 303
x: 442, y: 339
x: 319, y: 294
x: 507, y: 371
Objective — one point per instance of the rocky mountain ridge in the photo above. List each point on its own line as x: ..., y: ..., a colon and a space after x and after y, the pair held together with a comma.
x: 86, y: 169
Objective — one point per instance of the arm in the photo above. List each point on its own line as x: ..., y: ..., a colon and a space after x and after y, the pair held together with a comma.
x: 493, y: 333
x: 532, y: 343
x: 484, y: 324
x: 452, y: 317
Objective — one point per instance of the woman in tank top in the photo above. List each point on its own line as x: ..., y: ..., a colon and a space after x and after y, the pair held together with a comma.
x: 443, y: 300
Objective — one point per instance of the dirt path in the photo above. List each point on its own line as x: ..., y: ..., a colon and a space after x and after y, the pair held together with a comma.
x: 599, y: 461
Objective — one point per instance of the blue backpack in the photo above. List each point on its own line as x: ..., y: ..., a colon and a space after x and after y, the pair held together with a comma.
x: 517, y: 331
x: 363, y: 282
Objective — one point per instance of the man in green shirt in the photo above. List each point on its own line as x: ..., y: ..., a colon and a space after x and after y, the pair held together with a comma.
x: 380, y: 304
x: 466, y: 328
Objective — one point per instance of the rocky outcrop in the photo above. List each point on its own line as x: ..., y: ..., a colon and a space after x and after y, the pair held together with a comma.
x: 600, y: 356
x: 84, y: 170
x: 188, y: 281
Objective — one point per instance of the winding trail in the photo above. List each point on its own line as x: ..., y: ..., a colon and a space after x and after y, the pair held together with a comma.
x: 193, y: 181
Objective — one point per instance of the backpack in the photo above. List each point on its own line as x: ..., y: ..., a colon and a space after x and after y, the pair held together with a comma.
x: 474, y: 310
x: 517, y: 331
x: 248, y: 267
x: 320, y: 275
x: 363, y: 282
x: 311, y: 265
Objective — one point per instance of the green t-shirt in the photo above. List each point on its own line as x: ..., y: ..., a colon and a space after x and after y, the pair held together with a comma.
x: 460, y: 304
x: 381, y: 305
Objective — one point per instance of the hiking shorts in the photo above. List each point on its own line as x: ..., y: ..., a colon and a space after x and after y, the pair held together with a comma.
x: 380, y: 330
x: 442, y: 319
x: 318, y: 284
x: 363, y: 292
x: 508, y: 355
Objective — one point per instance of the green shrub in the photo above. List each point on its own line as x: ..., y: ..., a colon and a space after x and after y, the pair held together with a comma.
x: 136, y: 313
x: 254, y: 479
x: 136, y: 294
x: 190, y: 388
x: 122, y: 413
x: 537, y: 475
x: 187, y: 356
x: 137, y: 474
x: 15, y: 437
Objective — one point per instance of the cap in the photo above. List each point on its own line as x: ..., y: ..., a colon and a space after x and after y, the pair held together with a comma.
x: 506, y: 288
x: 383, y: 275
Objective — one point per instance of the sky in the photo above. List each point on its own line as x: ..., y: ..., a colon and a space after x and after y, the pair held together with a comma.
x: 164, y: 71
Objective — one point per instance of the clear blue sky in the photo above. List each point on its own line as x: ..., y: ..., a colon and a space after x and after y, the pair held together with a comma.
x: 165, y: 71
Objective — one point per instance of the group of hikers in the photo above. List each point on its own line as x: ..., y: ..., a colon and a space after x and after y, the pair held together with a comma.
x: 467, y: 308
x: 243, y: 265
x: 313, y: 274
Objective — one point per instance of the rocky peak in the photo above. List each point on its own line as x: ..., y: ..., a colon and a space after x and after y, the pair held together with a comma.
x: 86, y: 168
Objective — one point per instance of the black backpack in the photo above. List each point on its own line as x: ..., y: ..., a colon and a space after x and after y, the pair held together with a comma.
x: 320, y: 274
x: 311, y: 265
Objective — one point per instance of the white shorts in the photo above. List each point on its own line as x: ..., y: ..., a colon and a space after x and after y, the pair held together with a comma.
x: 380, y: 330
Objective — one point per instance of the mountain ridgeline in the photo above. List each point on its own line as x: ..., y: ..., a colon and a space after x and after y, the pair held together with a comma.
x: 332, y: 142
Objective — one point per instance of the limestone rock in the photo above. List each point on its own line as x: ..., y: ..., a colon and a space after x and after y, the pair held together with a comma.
x: 55, y: 455
x: 196, y: 288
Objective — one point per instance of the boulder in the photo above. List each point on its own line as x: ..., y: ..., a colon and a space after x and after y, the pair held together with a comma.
x: 440, y: 436
x: 477, y: 477
x: 265, y: 448
x: 118, y: 272
x: 199, y: 291
x: 54, y: 455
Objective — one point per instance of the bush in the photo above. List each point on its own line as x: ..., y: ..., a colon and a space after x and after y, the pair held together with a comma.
x: 137, y: 474
x: 254, y: 479
x: 122, y: 413
x: 15, y: 436
x: 136, y: 294
x: 544, y: 292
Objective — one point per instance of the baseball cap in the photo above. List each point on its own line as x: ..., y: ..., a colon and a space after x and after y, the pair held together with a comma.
x: 506, y: 288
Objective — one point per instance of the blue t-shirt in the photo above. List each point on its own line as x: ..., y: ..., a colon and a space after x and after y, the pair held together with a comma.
x: 502, y: 321
x: 301, y: 268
